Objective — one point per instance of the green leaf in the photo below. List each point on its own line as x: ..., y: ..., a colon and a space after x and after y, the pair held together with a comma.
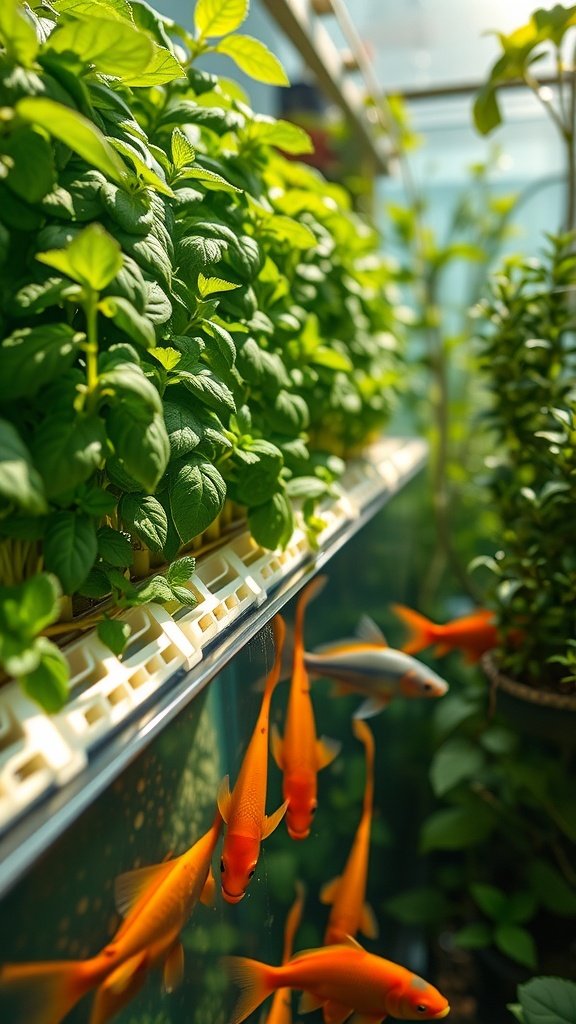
x: 155, y: 589
x: 551, y: 889
x: 69, y: 449
x: 424, y: 906
x: 114, y: 547
x: 331, y: 358
x: 474, y: 936
x: 20, y: 482
x: 93, y: 258
x: 209, y: 389
x: 133, y: 211
x: 211, y: 180
x: 181, y: 150
x: 288, y: 413
x: 292, y: 231
x: 197, y: 495
x: 114, y: 635
x: 272, y: 524
x: 31, y: 175
x: 519, y: 945
x: 17, y: 33
x: 77, y: 132
x: 162, y: 67
x: 455, y: 828
x: 146, y: 174
x: 139, y: 328
x: 48, y: 683
x: 212, y: 285
x: 144, y: 516
x: 180, y: 571
x: 491, y: 900
x: 516, y: 1011
x: 185, y: 430
x: 254, y: 58
x: 261, y: 367
x: 112, y: 46
x: 140, y: 441
x: 218, y: 17
x: 33, y: 356
x: 458, y: 759
x: 258, y: 480
x: 287, y: 136
x: 486, y: 111
x: 548, y: 1001
x: 96, y: 501
x: 70, y: 548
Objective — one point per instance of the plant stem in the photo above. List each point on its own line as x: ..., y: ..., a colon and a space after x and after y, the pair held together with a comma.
x: 91, y: 345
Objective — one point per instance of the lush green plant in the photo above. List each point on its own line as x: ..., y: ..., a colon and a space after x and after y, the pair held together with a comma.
x: 546, y: 33
x: 527, y: 361
x: 159, y: 263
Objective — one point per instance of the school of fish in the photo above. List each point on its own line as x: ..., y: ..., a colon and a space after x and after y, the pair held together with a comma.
x: 156, y: 902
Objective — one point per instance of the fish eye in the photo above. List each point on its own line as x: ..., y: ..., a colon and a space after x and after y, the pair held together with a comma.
x: 250, y: 873
x: 314, y: 808
x: 427, y: 687
x: 222, y: 865
x: 421, y: 1008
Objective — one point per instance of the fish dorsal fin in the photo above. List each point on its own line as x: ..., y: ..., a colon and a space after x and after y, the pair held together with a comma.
x: 335, y: 646
x: 368, y: 630
x: 329, y: 891
x: 131, y: 886
x: 368, y: 923
x: 173, y: 968
x: 224, y: 798
x: 277, y: 746
x: 351, y: 942
x: 308, y: 1003
x: 208, y: 894
x: 326, y: 751
x: 371, y: 706
x: 271, y: 821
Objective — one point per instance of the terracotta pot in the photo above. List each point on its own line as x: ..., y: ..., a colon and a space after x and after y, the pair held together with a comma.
x: 536, y: 712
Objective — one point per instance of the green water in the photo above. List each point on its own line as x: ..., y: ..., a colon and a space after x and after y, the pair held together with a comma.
x: 64, y: 907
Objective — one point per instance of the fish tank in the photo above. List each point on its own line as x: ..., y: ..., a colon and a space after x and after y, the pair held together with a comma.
x: 149, y: 792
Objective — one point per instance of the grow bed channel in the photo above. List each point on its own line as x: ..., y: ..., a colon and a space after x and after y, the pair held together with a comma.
x: 53, y: 767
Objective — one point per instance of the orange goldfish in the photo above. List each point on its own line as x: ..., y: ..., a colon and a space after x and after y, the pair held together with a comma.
x: 472, y: 634
x: 367, y: 665
x: 281, y: 1008
x: 350, y: 913
x: 300, y: 755
x: 157, y: 902
x: 244, y: 809
x: 343, y: 980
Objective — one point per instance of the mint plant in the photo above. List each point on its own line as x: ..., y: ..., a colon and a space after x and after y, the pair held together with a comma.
x: 160, y: 260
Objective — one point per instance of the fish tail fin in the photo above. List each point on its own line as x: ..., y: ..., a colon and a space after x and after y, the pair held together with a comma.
x: 423, y: 632
x: 255, y: 981
x: 43, y: 993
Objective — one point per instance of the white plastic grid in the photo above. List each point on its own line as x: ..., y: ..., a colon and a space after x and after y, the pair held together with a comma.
x: 38, y: 752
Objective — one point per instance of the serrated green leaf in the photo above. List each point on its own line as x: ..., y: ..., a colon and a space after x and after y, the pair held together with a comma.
x: 33, y: 356
x: 285, y: 135
x: 180, y: 571
x: 20, y: 482
x: 140, y: 441
x: 48, y: 683
x: 181, y: 150
x: 70, y: 548
x: 272, y: 524
x: 217, y: 17
x: 155, y: 589
x: 254, y: 59
x: 212, y: 285
x: 163, y: 67
x: 197, y: 495
x: 145, y: 173
x: 184, y: 595
x: 185, y: 430
x: 143, y: 516
x: 114, y: 634
x: 77, y: 132
x: 209, y: 389
x: 139, y: 328
x: 211, y: 180
x: 548, y: 1001
x: 258, y: 481
x: 289, y: 230
x: 93, y: 258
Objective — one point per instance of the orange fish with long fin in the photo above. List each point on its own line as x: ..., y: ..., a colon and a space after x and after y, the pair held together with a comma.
x: 300, y: 755
x: 472, y: 634
x: 244, y: 809
x: 347, y: 894
x: 281, y: 1008
x: 343, y: 980
x: 157, y: 902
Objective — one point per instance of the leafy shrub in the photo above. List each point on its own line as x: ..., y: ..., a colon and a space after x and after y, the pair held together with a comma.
x: 160, y: 261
